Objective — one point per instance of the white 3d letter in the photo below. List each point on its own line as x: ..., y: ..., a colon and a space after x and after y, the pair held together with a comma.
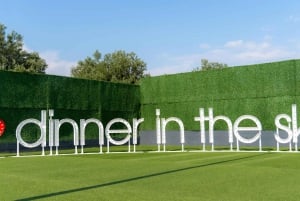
x: 284, y: 128
x: 41, y: 124
x: 258, y: 128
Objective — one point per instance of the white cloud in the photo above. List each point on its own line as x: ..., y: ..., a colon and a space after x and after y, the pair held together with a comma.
x: 57, y: 65
x: 246, y: 44
x: 233, y: 44
x: 27, y: 49
x: 204, y: 46
x: 293, y: 18
x: 233, y: 53
x: 173, y: 64
x: 250, y: 52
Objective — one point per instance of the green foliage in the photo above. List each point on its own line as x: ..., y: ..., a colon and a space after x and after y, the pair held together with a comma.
x: 118, y: 66
x: 14, y: 58
x: 205, y: 65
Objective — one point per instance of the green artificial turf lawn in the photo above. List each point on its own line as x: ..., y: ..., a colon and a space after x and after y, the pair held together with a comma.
x: 170, y: 176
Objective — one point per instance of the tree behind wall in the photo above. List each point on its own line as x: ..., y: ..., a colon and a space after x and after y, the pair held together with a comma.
x: 206, y: 65
x: 118, y: 66
x: 14, y: 58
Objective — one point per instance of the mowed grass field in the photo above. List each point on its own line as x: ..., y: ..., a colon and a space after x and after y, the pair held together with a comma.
x: 215, y: 176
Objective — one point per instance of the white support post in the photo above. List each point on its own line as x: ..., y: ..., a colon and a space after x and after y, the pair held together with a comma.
x: 128, y: 146
x: 107, y: 151
x: 260, y: 148
x: 82, y: 151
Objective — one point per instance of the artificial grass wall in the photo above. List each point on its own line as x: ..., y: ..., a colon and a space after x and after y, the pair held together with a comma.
x: 262, y: 90
x: 23, y: 96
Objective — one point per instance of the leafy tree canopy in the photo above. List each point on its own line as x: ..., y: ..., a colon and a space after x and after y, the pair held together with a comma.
x: 14, y: 58
x: 206, y: 65
x: 118, y: 66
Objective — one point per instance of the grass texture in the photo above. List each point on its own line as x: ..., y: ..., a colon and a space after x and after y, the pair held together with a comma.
x: 152, y: 176
x: 262, y: 90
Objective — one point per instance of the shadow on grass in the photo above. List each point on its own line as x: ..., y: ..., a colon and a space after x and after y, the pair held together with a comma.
x: 136, y: 178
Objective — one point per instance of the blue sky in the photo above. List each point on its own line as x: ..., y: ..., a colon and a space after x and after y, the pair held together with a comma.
x: 171, y: 36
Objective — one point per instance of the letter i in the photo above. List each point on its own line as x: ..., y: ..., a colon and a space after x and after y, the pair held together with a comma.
x: 51, y: 129
x: 158, y: 130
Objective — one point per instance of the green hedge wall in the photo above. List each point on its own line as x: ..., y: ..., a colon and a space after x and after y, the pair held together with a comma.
x: 23, y: 96
x: 263, y: 90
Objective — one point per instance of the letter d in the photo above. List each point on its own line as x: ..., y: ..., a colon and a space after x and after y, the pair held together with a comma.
x: 41, y: 124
